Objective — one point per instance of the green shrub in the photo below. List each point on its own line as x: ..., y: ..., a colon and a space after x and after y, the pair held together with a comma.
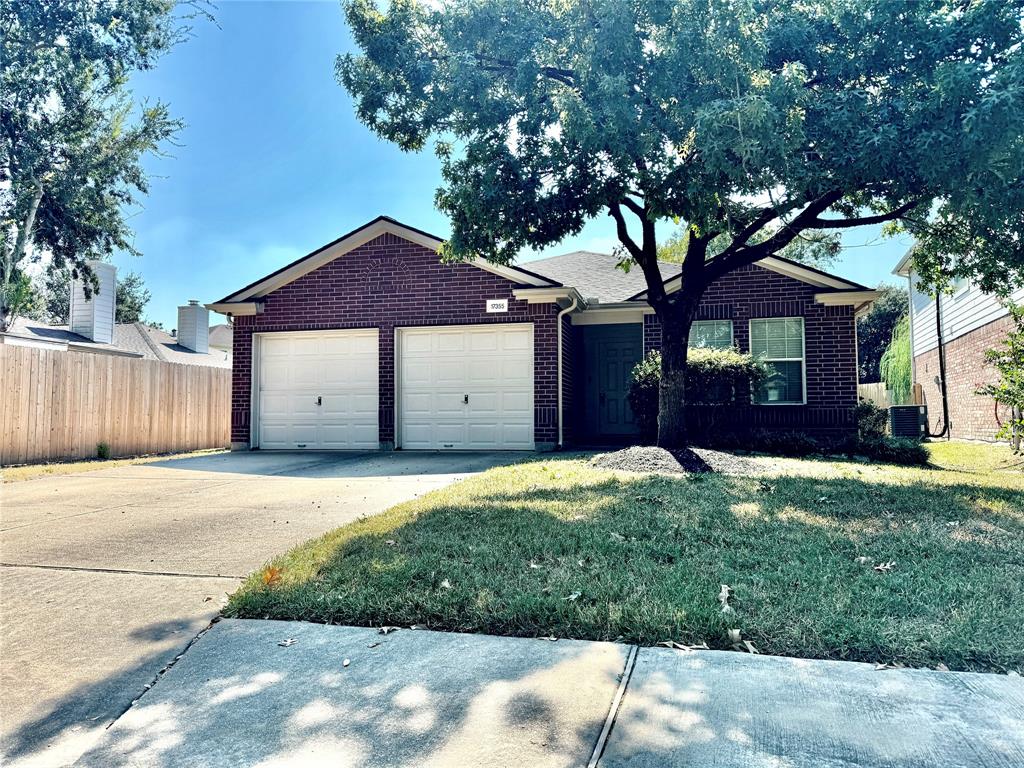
x: 102, y: 451
x: 713, y: 377
x: 800, y: 444
x: 872, y: 421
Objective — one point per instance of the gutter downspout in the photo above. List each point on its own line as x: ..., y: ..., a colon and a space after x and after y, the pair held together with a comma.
x: 942, y: 368
x: 558, y: 320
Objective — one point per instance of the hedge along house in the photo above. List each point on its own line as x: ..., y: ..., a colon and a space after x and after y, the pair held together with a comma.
x: 371, y: 342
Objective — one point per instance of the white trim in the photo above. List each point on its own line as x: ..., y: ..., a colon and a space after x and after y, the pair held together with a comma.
x: 236, y: 308
x: 801, y: 360
x: 549, y: 294
x: 612, y: 315
x: 399, y: 330
x: 558, y: 319
x: 843, y: 298
x: 515, y: 275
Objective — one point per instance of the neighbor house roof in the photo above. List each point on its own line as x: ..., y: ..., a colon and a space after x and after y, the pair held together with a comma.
x: 130, y: 340
x: 221, y: 336
x: 595, y: 276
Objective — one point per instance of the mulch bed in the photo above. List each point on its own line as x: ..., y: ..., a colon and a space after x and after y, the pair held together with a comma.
x: 651, y: 459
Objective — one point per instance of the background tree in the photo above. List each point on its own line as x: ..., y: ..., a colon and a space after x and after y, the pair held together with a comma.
x: 816, y: 249
x: 54, y: 292
x: 753, y: 121
x: 71, y: 139
x: 895, y: 365
x: 875, y: 329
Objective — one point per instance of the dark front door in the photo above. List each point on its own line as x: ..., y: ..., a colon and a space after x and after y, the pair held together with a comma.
x: 610, y: 352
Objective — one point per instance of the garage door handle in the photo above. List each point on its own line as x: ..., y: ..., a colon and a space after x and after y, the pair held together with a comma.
x: 319, y: 400
x: 465, y: 399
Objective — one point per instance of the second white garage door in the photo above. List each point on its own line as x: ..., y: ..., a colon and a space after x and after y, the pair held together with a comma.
x: 466, y: 387
x: 318, y: 390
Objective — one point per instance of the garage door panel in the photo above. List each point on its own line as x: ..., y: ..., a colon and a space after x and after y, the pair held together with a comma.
x: 492, y: 364
x: 340, y: 368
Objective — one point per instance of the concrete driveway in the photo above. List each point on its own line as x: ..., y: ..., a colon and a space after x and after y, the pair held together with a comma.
x: 106, y: 576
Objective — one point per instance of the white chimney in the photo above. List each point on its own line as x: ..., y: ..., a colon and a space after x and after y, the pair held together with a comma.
x: 93, y: 316
x: 194, y: 327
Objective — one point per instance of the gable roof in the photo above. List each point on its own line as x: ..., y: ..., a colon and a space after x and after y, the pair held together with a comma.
x: 783, y: 266
x: 595, y: 276
x: 352, y: 240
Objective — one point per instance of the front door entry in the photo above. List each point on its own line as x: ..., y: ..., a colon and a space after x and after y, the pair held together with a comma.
x: 610, y: 351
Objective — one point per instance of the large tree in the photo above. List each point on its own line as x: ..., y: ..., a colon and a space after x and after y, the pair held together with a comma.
x: 53, y: 294
x: 752, y: 120
x: 72, y: 139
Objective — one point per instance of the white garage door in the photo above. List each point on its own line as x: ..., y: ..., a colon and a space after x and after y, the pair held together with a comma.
x: 468, y: 387
x: 318, y: 390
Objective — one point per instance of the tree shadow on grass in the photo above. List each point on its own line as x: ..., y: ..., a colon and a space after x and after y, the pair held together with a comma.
x: 818, y: 567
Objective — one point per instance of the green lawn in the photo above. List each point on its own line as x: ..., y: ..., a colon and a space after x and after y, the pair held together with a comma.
x: 553, y: 546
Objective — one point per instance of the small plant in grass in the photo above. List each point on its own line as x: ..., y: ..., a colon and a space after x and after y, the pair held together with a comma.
x: 102, y: 451
x: 713, y: 377
x: 1008, y: 361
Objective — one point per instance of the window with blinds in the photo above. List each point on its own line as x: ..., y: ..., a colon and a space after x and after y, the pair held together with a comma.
x: 716, y: 334
x: 779, y: 341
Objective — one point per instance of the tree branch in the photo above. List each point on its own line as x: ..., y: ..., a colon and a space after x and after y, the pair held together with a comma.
x: 881, y: 218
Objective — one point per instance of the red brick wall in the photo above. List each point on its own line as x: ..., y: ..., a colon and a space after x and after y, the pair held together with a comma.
x: 971, y: 416
x: 831, y: 355
x: 388, y: 283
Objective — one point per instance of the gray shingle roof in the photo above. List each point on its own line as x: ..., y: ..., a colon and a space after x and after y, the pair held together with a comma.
x: 595, y: 276
x: 136, y: 339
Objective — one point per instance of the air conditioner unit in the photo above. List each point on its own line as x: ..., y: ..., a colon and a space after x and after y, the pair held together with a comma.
x: 908, y: 421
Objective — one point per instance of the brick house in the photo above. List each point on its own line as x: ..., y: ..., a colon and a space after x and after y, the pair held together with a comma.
x: 967, y: 322
x: 371, y: 342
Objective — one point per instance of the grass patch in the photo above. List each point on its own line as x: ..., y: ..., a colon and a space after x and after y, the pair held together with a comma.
x: 554, y: 546
x: 32, y: 471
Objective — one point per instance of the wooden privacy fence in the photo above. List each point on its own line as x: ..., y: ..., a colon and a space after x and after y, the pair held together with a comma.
x: 62, y: 404
x: 875, y: 393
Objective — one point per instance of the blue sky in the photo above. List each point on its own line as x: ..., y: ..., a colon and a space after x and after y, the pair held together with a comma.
x: 273, y: 164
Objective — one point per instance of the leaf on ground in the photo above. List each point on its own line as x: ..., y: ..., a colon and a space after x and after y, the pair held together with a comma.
x: 885, y: 567
x: 862, y: 560
x: 373, y: 645
x: 288, y: 643
x: 723, y: 598
x: 391, y: 542
x: 617, y: 536
x: 271, y: 576
x: 386, y: 630
x: 940, y: 667
x: 549, y: 638
x: 446, y: 584
x: 733, y: 636
x: 573, y: 597
x: 882, y: 666
x: 534, y: 565
x: 346, y: 662
x: 677, y: 646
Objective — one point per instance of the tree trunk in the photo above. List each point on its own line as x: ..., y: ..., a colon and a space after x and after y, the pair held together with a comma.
x: 676, y: 319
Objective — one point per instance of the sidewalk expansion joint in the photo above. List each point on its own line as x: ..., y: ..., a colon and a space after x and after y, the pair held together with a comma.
x: 613, y: 711
x: 124, y: 571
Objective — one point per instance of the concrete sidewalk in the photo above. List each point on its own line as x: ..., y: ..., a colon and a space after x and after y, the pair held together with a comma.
x: 267, y: 693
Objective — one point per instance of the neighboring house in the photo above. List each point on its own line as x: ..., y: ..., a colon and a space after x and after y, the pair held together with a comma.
x: 220, y: 337
x: 969, y: 322
x: 370, y: 342
x: 93, y: 329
